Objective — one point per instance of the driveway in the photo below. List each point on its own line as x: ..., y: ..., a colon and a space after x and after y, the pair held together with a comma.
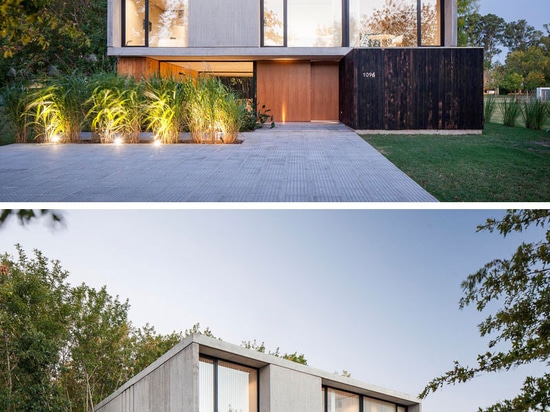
x: 291, y: 163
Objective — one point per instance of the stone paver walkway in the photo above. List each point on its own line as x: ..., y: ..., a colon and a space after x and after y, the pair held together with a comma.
x: 291, y: 163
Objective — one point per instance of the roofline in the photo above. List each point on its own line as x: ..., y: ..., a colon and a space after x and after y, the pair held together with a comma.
x: 238, y: 354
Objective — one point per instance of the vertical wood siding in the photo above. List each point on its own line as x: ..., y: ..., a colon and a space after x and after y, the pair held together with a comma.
x: 412, y: 88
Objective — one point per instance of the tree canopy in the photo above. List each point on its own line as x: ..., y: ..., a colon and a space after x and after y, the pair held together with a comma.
x: 67, y: 347
x: 520, y: 327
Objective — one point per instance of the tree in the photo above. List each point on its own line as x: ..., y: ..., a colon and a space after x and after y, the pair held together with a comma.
x: 464, y: 9
x: 520, y: 327
x: 529, y: 63
x: 485, y: 31
x: 25, y: 216
x: 34, y: 319
x: 518, y: 35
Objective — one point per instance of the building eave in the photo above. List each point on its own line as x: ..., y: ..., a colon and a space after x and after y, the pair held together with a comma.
x: 232, y: 53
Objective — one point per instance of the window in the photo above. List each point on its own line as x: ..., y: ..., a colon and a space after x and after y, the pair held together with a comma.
x: 227, y: 387
x: 341, y: 401
x: 302, y: 23
x: 395, y: 23
x: 430, y: 23
x: 155, y: 23
x: 374, y: 405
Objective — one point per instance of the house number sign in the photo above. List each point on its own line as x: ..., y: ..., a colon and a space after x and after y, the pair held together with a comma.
x: 369, y: 75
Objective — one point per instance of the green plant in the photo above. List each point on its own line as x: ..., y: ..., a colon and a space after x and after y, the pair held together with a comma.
x: 14, y: 110
x: 510, y: 109
x: 214, y: 112
x: 489, y: 108
x: 534, y: 113
x: 115, y: 105
x: 164, y: 106
x: 253, y: 119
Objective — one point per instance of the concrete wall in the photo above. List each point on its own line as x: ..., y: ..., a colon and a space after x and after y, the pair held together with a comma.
x: 286, y: 390
x: 171, y: 386
x: 227, y: 23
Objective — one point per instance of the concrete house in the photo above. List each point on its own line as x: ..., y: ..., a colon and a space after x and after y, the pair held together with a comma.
x: 203, y: 374
x: 371, y: 64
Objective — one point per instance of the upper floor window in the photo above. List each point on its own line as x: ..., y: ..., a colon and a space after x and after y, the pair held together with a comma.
x: 227, y: 387
x: 340, y: 401
x: 302, y: 23
x: 155, y: 23
x: 400, y: 23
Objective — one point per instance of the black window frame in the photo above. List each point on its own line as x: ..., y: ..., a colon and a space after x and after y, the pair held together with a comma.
x: 361, y: 398
x: 146, y: 25
x: 346, y: 24
x: 215, y: 362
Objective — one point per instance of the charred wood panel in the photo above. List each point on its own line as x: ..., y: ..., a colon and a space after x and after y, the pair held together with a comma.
x: 412, y: 88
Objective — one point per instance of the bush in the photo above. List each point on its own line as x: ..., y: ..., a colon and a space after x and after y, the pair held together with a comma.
x: 164, y: 107
x: 534, y: 113
x: 14, y: 98
x: 115, y: 106
x: 214, y: 112
x: 510, y: 111
x: 489, y: 109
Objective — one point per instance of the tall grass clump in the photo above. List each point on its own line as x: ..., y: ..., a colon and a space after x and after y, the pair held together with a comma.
x: 115, y: 105
x: 14, y: 98
x: 164, y: 107
x: 489, y: 108
x: 56, y: 107
x: 510, y: 110
x: 535, y: 113
x: 214, y: 113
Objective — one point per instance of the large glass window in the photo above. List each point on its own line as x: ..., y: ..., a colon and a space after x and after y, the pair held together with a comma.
x: 340, y: 401
x: 156, y: 23
x: 274, y: 23
x: 227, y: 387
x: 373, y: 405
x: 302, y: 23
x: 431, y: 23
x: 134, y: 23
x: 383, y: 23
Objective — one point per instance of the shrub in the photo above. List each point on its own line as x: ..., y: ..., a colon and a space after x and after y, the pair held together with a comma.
x: 510, y: 111
x: 115, y: 105
x: 489, y: 109
x: 164, y: 107
x: 214, y: 113
x: 534, y: 113
x: 14, y: 110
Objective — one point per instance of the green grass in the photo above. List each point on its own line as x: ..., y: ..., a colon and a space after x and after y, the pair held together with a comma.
x: 503, y: 164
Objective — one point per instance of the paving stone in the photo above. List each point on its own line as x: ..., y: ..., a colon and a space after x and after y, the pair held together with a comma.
x: 295, y: 162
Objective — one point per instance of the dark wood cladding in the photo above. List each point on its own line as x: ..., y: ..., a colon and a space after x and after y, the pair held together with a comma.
x: 412, y: 89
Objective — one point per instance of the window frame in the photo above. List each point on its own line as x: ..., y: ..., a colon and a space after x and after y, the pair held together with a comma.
x: 325, y: 389
x: 215, y: 391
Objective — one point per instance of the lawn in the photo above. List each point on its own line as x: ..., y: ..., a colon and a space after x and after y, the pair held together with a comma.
x: 503, y: 164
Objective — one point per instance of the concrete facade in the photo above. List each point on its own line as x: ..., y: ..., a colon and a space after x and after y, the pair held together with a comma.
x: 171, y: 384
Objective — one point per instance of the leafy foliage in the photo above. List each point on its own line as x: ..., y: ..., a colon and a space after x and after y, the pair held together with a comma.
x: 260, y: 347
x: 25, y: 216
x: 67, y: 348
x: 520, y: 286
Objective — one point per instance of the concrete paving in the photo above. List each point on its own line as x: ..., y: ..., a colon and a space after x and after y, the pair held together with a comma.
x: 311, y: 162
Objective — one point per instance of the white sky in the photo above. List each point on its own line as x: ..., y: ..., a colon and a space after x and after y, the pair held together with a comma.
x: 373, y: 292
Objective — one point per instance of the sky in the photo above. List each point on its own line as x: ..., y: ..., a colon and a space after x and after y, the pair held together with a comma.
x: 373, y: 292
x: 536, y: 12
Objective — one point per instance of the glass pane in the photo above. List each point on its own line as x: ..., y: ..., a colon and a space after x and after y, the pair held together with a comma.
x: 401, y: 409
x: 339, y: 401
x: 237, y: 388
x: 273, y: 23
x: 168, y: 23
x: 135, y: 23
x: 383, y: 23
x: 373, y: 405
x: 206, y: 385
x: 431, y: 26
x: 315, y: 23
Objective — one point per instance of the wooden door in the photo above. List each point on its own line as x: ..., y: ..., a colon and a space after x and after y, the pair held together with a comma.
x: 324, y: 91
